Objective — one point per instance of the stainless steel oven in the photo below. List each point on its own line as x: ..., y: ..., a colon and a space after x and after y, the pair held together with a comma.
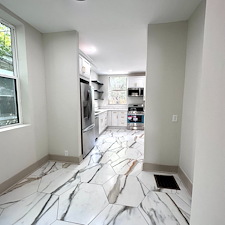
x: 135, y: 117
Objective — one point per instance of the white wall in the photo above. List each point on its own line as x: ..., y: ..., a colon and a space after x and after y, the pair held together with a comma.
x: 191, y: 88
x: 164, y: 92
x: 22, y: 146
x: 208, y: 203
x: 63, y: 92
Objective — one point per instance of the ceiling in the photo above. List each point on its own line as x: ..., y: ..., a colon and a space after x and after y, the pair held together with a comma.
x: 112, y: 32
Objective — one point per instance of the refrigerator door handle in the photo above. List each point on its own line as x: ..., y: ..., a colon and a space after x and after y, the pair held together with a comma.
x: 89, y: 128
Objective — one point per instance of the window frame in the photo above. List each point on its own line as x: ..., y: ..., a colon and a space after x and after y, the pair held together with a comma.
x: 15, y: 75
x: 110, y: 90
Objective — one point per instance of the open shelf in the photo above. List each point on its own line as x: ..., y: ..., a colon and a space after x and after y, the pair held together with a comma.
x: 97, y: 82
x: 99, y: 91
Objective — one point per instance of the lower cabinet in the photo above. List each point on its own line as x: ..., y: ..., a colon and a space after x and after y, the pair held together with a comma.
x: 103, y: 121
x: 118, y: 119
x: 112, y: 118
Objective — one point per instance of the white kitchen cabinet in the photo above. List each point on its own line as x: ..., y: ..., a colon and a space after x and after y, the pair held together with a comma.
x: 122, y: 118
x: 109, y: 119
x: 136, y: 81
x: 84, y: 67
x: 103, y: 121
x: 114, y: 118
x: 119, y: 118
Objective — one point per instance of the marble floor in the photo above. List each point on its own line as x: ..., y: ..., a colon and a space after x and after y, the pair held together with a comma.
x: 108, y: 187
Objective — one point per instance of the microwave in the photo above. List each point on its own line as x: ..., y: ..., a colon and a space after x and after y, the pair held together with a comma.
x: 136, y: 92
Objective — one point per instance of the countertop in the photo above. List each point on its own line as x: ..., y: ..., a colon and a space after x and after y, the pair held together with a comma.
x: 99, y: 111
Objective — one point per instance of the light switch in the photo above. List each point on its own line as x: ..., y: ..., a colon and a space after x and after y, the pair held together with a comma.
x: 174, y: 118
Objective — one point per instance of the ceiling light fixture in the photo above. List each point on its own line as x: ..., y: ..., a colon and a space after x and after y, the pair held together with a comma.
x: 89, y: 50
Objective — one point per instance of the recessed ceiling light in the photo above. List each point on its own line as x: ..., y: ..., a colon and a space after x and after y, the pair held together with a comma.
x: 89, y: 50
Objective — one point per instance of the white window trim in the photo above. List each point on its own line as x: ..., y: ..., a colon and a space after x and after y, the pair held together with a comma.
x: 15, y: 75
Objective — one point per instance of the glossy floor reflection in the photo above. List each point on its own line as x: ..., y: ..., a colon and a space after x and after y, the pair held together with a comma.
x: 108, y: 187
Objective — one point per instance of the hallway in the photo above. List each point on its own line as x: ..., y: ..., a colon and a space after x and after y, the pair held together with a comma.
x: 108, y: 187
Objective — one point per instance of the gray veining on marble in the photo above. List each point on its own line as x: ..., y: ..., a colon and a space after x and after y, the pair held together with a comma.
x: 108, y: 187
x: 82, y: 204
x: 131, y: 153
x: 124, y: 165
x: 125, y: 190
x: 59, y: 222
x: 19, y: 191
x: 119, y: 215
x: 38, y: 208
x: 157, y: 208
x: 59, y: 181
x: 51, y: 167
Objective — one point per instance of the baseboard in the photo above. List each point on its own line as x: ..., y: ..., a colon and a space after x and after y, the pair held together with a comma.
x: 62, y: 158
x: 188, y: 184
x: 19, y: 176
x: 161, y: 168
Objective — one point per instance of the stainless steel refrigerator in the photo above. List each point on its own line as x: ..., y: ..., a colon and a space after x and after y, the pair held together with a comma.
x: 87, y: 118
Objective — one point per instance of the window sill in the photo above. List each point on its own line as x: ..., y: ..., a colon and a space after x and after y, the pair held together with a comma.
x: 13, y: 127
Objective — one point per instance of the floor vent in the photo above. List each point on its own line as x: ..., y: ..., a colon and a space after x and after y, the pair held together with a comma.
x: 168, y: 182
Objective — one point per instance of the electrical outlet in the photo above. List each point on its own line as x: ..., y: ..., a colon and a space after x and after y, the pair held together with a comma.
x: 66, y: 153
x: 174, y: 118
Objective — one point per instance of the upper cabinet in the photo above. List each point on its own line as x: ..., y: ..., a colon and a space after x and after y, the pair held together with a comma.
x: 84, y: 67
x: 136, y: 81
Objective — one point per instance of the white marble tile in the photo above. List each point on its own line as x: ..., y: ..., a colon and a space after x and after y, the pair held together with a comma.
x: 125, y: 190
x: 147, y: 178
x: 124, y: 165
x: 130, y: 153
x: 106, y: 146
x: 38, y: 208
x: 157, y: 208
x: 119, y: 215
x: 137, y: 169
x: 115, y: 147
x: 48, y: 168
x: 109, y: 157
x: 1, y: 211
x: 82, y: 204
x: 59, y: 181
x: 19, y: 191
x: 59, y: 222
x: 96, y: 173
x: 103, y: 174
x: 183, y: 204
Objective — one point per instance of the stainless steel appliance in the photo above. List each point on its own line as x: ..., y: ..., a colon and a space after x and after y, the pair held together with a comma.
x: 87, y: 117
x: 136, y: 92
x: 135, y: 117
x: 96, y: 126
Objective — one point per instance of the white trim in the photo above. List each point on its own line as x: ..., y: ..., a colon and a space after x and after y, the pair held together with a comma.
x: 8, y: 76
x: 6, y: 23
x: 13, y: 126
x: 15, y: 75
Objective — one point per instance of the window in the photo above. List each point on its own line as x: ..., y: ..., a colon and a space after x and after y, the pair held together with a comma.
x: 117, y: 90
x: 8, y: 77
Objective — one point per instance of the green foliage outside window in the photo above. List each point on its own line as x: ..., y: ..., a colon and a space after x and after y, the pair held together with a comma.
x: 6, y: 54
